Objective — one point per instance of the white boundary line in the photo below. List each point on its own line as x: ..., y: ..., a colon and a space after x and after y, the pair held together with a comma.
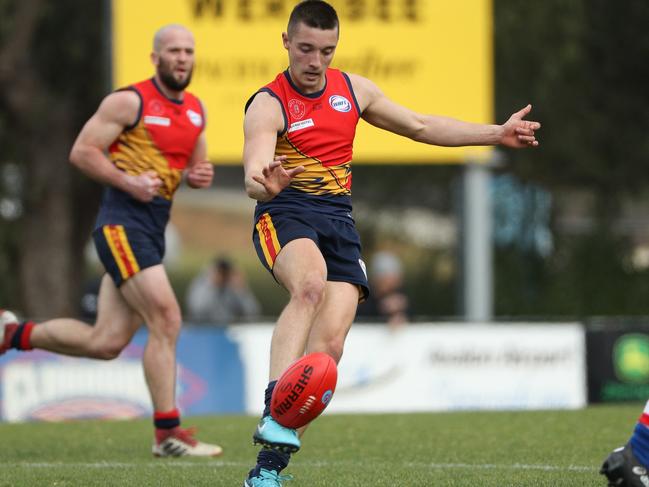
x: 493, y: 466
x: 184, y: 463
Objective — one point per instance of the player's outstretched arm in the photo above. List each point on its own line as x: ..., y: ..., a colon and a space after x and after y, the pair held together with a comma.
x: 116, y: 112
x: 265, y: 175
x: 382, y: 112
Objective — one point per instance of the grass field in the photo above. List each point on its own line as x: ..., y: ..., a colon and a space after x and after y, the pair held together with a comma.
x: 499, y: 449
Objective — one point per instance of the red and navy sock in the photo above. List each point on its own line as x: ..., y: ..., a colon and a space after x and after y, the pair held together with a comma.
x: 267, y: 396
x: 640, y: 439
x: 166, y: 420
x: 21, y: 339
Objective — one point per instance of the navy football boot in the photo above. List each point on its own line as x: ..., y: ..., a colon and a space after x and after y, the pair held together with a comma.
x: 622, y: 469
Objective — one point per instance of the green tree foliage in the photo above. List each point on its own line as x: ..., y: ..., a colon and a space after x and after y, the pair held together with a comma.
x: 582, y: 64
x: 50, y: 81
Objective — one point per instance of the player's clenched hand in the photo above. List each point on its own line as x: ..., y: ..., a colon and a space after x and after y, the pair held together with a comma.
x: 519, y: 133
x: 144, y: 187
x: 200, y: 174
x: 274, y: 177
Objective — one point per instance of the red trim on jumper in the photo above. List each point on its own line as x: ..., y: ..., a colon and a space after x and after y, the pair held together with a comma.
x: 644, y: 419
x: 25, y: 337
x: 173, y: 414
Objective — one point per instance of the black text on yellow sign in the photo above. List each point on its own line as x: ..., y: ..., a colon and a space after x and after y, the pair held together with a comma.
x: 433, y: 56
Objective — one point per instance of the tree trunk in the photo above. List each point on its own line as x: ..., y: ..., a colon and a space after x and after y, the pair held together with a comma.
x: 58, y: 206
x: 46, y: 259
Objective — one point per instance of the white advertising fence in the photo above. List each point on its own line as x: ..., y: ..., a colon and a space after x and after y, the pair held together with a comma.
x: 421, y: 367
x: 443, y: 367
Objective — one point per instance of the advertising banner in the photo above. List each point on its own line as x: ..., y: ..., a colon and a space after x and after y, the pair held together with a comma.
x: 43, y: 386
x: 618, y: 363
x: 432, y: 57
x: 443, y: 367
x: 225, y: 370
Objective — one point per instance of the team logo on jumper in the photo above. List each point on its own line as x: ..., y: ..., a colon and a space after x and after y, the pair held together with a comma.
x: 340, y: 103
x: 302, y: 124
x: 296, y: 108
x: 195, y: 118
x: 155, y: 107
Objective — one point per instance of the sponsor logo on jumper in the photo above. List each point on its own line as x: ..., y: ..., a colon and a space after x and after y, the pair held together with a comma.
x: 340, y: 103
x: 302, y: 124
x: 195, y: 118
x: 296, y: 108
x: 296, y: 390
x: 153, y: 120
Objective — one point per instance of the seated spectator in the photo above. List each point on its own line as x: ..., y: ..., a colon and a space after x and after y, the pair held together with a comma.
x: 387, y: 301
x: 219, y: 295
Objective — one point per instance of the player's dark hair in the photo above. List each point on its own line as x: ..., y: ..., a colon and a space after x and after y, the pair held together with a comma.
x: 313, y: 13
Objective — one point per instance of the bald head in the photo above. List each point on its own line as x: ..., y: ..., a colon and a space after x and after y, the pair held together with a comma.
x: 173, y: 57
x: 168, y: 32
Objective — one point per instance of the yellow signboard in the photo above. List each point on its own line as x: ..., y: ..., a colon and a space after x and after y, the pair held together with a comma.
x: 433, y: 56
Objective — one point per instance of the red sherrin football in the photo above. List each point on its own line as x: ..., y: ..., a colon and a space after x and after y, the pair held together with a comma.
x: 304, y: 390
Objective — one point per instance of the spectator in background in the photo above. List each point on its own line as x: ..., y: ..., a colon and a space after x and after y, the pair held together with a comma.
x: 388, y: 303
x: 220, y: 295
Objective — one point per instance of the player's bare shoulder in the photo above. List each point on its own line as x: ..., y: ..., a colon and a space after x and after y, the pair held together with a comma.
x: 365, y: 90
x: 265, y: 109
x: 121, y: 107
x: 263, y: 101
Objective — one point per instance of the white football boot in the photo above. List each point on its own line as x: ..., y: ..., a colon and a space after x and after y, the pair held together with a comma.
x: 179, y: 442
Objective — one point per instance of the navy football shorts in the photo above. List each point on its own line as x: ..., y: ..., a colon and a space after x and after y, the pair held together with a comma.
x: 125, y: 251
x: 338, y: 241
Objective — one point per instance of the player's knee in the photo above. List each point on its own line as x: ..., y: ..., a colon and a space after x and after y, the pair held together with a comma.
x: 168, y: 322
x: 334, y: 348
x: 108, y: 350
x: 311, y: 292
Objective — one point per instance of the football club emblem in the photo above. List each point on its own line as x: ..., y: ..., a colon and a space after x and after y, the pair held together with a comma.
x: 296, y: 108
x: 155, y: 107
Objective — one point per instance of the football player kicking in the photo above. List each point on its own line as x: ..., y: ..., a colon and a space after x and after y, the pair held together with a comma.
x: 304, y: 233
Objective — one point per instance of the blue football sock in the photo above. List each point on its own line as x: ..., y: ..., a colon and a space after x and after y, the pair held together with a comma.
x: 640, y: 443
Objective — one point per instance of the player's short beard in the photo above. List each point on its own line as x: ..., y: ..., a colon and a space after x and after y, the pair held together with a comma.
x: 167, y: 77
